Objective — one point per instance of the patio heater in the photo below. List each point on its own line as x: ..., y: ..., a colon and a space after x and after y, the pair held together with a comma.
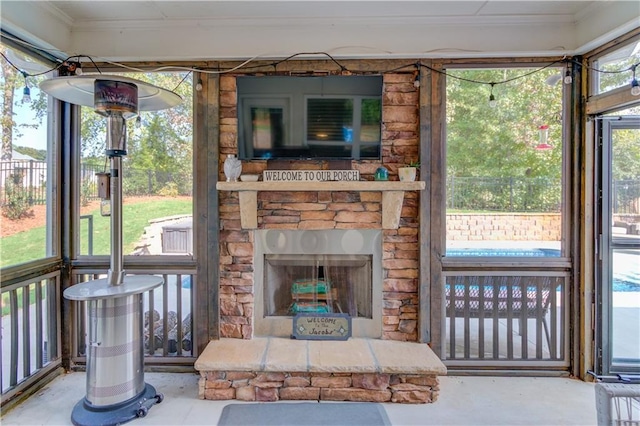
x: 116, y: 391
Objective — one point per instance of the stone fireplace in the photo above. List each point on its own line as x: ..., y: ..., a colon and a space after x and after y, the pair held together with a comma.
x: 337, y: 225
x: 359, y: 240
x: 321, y: 271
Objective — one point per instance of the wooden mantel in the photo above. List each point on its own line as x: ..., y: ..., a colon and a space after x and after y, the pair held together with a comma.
x: 392, y: 195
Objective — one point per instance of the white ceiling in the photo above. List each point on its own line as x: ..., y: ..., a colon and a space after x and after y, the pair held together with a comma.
x: 207, y: 30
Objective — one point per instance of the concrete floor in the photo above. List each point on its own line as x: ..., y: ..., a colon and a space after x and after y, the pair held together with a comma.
x: 463, y: 401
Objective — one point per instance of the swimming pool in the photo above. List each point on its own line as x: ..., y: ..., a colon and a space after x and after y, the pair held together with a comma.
x: 503, y: 252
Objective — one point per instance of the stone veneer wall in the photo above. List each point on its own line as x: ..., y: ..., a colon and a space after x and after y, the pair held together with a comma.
x: 504, y: 226
x: 326, y: 210
x: 276, y: 386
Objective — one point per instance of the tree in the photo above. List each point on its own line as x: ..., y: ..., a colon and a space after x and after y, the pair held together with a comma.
x: 494, y: 148
x: 501, y: 141
x: 626, y: 154
x: 616, y: 73
x: 9, y: 77
x: 36, y: 154
x: 160, y: 151
x: 13, y: 80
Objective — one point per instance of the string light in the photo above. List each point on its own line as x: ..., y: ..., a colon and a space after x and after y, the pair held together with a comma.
x: 635, y: 86
x: 568, y: 79
x: 26, y: 93
x: 138, y: 122
x: 492, y: 99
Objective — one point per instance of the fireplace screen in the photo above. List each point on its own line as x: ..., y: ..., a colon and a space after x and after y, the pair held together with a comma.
x: 318, y: 271
x: 317, y: 284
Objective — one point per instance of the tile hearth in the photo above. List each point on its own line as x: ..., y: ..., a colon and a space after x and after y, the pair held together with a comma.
x: 272, y: 369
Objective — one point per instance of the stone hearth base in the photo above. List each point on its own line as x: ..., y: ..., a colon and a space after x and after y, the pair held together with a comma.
x: 273, y: 369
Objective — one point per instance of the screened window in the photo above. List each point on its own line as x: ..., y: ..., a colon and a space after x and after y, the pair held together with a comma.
x: 614, y: 68
x: 504, y: 163
x: 157, y: 178
x: 27, y: 170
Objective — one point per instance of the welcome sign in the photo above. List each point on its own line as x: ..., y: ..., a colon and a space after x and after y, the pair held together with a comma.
x: 310, y: 175
x: 309, y: 326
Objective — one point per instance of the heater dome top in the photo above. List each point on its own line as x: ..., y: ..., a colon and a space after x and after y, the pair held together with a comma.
x: 80, y: 90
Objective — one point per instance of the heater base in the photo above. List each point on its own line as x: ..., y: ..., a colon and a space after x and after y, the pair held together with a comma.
x: 87, y: 414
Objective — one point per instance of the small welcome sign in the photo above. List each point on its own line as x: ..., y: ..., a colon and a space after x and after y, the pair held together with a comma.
x: 310, y: 175
x: 321, y: 326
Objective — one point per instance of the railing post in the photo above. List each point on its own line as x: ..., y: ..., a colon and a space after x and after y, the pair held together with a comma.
x: 453, y: 192
x: 89, y: 232
x: 30, y: 182
x: 511, y: 194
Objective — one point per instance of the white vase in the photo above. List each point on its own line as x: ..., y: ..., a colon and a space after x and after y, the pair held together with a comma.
x: 232, y: 168
x: 407, y: 174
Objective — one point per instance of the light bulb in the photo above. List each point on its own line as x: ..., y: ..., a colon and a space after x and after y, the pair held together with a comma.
x: 416, y: 82
x: 492, y: 101
x: 568, y: 79
x: 199, y: 85
x: 26, y: 95
x: 138, y: 122
x: 635, y: 87
x: 79, y: 71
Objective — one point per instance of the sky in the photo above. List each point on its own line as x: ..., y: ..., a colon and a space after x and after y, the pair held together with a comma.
x: 32, y: 138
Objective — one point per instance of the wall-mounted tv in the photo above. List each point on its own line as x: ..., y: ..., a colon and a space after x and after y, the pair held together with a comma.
x: 310, y: 117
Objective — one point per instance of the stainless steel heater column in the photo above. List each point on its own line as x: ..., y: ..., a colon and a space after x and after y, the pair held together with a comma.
x: 116, y: 390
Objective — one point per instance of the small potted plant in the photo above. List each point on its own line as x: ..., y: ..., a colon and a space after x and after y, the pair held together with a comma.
x: 408, y: 173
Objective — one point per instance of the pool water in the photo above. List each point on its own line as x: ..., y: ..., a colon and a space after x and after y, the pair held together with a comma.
x: 503, y: 252
x: 186, y: 281
x: 625, y: 286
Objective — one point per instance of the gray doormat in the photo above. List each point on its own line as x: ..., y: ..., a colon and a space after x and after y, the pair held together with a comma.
x: 304, y: 413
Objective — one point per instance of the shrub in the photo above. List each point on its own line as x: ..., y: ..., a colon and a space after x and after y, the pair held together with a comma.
x: 87, y: 191
x: 16, y: 205
x: 170, y: 189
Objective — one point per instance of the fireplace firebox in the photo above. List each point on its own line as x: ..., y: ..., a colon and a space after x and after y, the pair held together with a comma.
x: 328, y: 271
x: 318, y: 284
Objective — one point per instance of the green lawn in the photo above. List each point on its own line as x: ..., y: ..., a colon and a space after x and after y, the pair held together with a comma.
x: 30, y: 245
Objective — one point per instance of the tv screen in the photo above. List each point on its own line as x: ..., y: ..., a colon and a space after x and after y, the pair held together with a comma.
x: 329, y: 117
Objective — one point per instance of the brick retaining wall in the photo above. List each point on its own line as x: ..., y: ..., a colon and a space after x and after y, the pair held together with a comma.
x: 504, y: 226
